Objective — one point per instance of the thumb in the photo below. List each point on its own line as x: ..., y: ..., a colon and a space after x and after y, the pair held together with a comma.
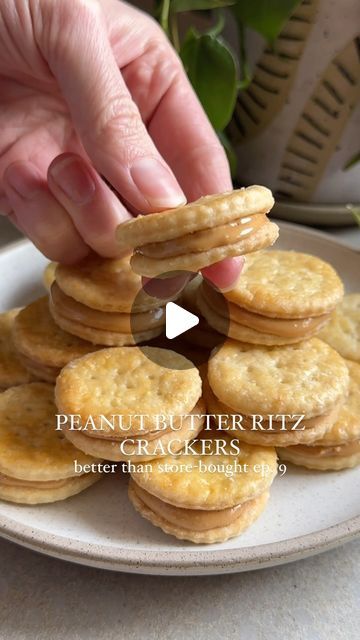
x: 106, y: 118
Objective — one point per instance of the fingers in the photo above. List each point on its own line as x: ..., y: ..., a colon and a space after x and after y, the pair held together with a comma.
x: 73, y: 212
x: 197, y: 158
x: 187, y: 141
x: 93, y: 208
x: 224, y: 274
x: 165, y: 288
x: 104, y: 114
x: 183, y: 135
x: 40, y: 216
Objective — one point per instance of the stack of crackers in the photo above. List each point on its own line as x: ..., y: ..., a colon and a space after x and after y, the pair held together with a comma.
x: 286, y: 360
x: 283, y: 381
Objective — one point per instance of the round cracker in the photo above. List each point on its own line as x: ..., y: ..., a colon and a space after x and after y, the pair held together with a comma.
x: 347, y: 426
x: 210, y: 489
x: 287, y: 284
x: 12, y: 371
x: 308, y: 378
x: 105, y: 284
x: 239, y: 332
x: 110, y: 449
x: 152, y: 267
x: 112, y: 321
x: 317, y: 428
x: 342, y: 332
x: 100, y: 336
x: 127, y: 381
x: 287, y: 328
x: 30, y: 446
x: 40, y: 339
x: 303, y: 458
x: 285, y: 438
x: 250, y: 511
x: 37, y: 495
x: 207, y: 212
x: 206, y: 239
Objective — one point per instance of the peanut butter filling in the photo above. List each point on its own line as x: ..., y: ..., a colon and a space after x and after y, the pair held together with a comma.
x: 192, y: 519
x: 284, y: 328
x: 30, y: 484
x: 106, y: 321
x: 346, y: 449
x: 206, y: 239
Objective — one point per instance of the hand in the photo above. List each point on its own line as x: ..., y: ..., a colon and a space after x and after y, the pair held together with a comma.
x: 97, y: 118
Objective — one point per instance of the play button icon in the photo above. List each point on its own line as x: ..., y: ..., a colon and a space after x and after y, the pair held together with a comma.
x: 170, y: 303
x: 178, y: 320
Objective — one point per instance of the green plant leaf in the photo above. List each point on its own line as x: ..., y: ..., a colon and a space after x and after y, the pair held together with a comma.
x: 212, y: 70
x: 355, y: 211
x: 267, y: 17
x: 353, y: 161
x: 218, y: 26
x: 195, y: 5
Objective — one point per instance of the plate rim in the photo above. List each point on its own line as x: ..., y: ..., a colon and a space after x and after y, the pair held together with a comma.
x: 326, y: 216
x: 320, y: 207
x: 212, y: 560
x: 209, y: 560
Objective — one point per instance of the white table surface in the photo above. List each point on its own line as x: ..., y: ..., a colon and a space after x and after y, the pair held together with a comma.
x: 46, y: 599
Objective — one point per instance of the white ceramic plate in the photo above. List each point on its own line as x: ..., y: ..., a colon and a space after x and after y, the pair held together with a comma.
x: 308, y: 512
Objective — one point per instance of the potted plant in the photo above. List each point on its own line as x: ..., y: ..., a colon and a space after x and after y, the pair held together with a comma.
x: 279, y: 80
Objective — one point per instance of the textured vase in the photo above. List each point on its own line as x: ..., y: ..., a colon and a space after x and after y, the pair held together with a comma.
x: 298, y: 123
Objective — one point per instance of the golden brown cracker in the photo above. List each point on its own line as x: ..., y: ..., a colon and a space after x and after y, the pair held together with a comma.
x: 323, y: 458
x: 342, y: 332
x: 250, y: 511
x: 308, y: 378
x: 12, y: 371
x: 346, y: 429
x: 101, y: 337
x: 38, y: 495
x: 229, y: 327
x: 287, y: 284
x: 112, y: 321
x: 105, y: 284
x: 200, y: 481
x: 265, y: 236
x: 287, y: 328
x: 39, y: 338
x: 128, y: 381
x: 306, y: 432
x: 157, y: 446
x: 205, y: 213
x: 30, y: 446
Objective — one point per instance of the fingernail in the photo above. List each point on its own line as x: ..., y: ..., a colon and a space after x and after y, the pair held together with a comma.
x: 24, y: 179
x: 157, y: 184
x: 73, y: 178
